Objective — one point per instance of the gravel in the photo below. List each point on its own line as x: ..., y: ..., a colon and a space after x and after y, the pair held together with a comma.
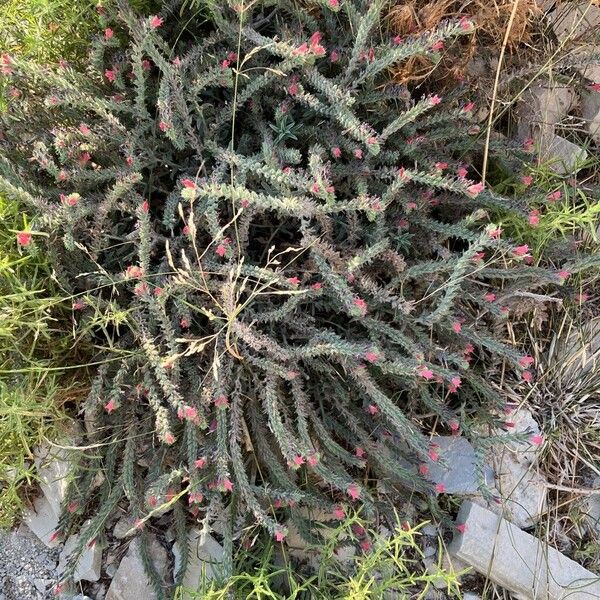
x: 27, y: 567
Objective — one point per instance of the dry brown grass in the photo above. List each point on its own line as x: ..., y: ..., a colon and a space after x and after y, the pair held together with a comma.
x: 491, y: 17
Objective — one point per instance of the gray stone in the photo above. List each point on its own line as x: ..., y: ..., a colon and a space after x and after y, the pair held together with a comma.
x: 89, y: 563
x: 518, y: 561
x: 565, y: 156
x: 123, y: 526
x: 590, y: 112
x: 429, y: 530
x: 205, y: 558
x: 42, y: 520
x: 471, y: 596
x: 52, y: 467
x: 130, y: 581
x: 456, y: 467
x: 542, y: 107
x: 591, y: 508
x: 575, y: 20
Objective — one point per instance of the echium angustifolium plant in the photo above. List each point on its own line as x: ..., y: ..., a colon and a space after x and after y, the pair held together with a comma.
x: 288, y: 257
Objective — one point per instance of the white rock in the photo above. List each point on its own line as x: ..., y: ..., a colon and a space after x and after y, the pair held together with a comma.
x: 123, y: 526
x: 542, y: 107
x: 565, y: 156
x: 53, y: 467
x: 89, y: 563
x: 42, y: 520
x: 458, y: 474
x: 574, y: 20
x: 590, y: 111
x: 204, y: 562
x: 130, y: 581
x: 518, y: 561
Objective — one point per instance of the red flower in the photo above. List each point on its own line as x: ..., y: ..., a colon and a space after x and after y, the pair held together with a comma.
x: 372, y: 356
x: 334, y: 56
x: 595, y: 87
x: 495, y: 233
x: 425, y: 372
x: 155, y: 22
x: 146, y: 64
x: 334, y: 3
x: 358, y: 153
x: 456, y: 382
x: 454, y: 425
x: 373, y: 409
x: 200, y: 463
x: 298, y: 460
x: 526, y: 361
x: 134, y: 271
x: 353, y: 491
x: 434, y: 100
x: 360, y: 453
x: 5, y: 61
x: 163, y: 126
x: 440, y: 488
x: 110, y: 75
x: 84, y: 158
x: 461, y: 527
x: 536, y: 440
x: 440, y: 166
x: 221, y: 402
x: 23, y: 238
x: 489, y: 297
x: 423, y: 469
x: 365, y: 545
x: 554, y: 196
x: 456, y: 327
x: 145, y: 206
x: 433, y: 453
x: 528, y: 144
x: 521, y: 250
x: 226, y: 485
x: 316, y: 286
x: 338, y: 512
x: 468, y: 107
x: 221, y: 250
x: 184, y: 323
x: 439, y: 45
x: 361, y: 305
x: 279, y: 535
x: 83, y: 128
x: 110, y: 406
x: 188, y: 183
x: 534, y: 217
x: 475, y: 189
x: 169, y: 438
x: 527, y: 180
x: 564, y: 275
x: 527, y: 376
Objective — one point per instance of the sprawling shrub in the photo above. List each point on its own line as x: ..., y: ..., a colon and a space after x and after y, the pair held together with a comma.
x: 285, y: 263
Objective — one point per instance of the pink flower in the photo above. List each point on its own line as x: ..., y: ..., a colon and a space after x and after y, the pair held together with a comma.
x: 313, y: 459
x: 334, y: 3
x: 358, y: 153
x: 184, y: 323
x: 336, y: 152
x: 454, y: 425
x: 475, y: 189
x: 133, y: 271
x: 461, y: 527
x: 153, y: 501
x: 440, y: 166
x: 84, y: 158
x: 140, y: 289
x: 338, y: 512
x: 110, y: 75
x: 298, y: 460
x: 439, y: 45
x: 397, y: 40
x: 527, y: 376
x: 58, y: 588
x: 221, y: 250
x: 534, y: 217
x: 528, y: 144
x: 169, y: 438
x: 495, y: 233
x: 129, y: 160
x: 177, y: 61
x: 108, y: 33
x: 403, y: 224
x: 227, y: 485
x: 155, y: 22
x: 353, y: 491
x: 361, y: 305
x: 360, y: 452
x: 411, y: 205
x: 293, y: 280
x: 456, y: 327
x: 433, y: 453
x: 163, y: 126
x: 469, y: 349
x: 138, y: 524
x: 489, y: 297
x: 316, y: 286
x: 536, y: 440
x: 158, y: 291
x: 521, y: 250
x: 110, y: 406
x: 461, y: 172
x: 468, y: 107
x: 5, y: 61
x: 440, y: 488
x: 595, y: 87
x: 372, y: 356
x: 83, y: 128
x: 334, y: 56
x: 583, y: 297
x: 423, y: 469
x: 279, y: 535
x: 23, y: 238
x: 433, y: 100
x: 302, y: 49
x: 564, y: 275
x: 78, y: 305
x: 425, y: 373
x: 221, y: 402
x: 145, y: 207
x: 466, y: 24
x: 456, y: 382
x: 200, y: 463
x: 527, y: 180
x: 526, y: 361
x: 146, y: 64
x: 373, y: 409
x: 554, y: 196
x: 245, y: 203
x: 293, y: 89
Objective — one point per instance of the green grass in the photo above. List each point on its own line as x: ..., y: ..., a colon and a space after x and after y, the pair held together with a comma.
x: 391, y: 565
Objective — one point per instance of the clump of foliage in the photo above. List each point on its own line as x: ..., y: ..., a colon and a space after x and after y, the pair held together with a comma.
x: 285, y: 266
x: 356, y: 563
